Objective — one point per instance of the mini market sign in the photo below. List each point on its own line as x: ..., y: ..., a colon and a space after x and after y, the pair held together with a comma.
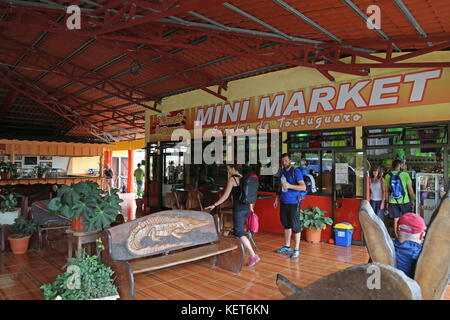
x: 369, y: 101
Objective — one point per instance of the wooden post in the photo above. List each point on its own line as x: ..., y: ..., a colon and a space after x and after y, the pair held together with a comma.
x: 100, y: 172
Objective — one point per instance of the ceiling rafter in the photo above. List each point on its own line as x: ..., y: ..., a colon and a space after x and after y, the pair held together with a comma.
x: 306, y: 19
x: 71, y: 71
x: 24, y: 87
x: 140, y: 56
x: 8, y: 103
x: 365, y: 18
x: 410, y: 17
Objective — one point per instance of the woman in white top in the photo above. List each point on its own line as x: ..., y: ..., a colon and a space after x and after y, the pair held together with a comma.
x: 377, y: 196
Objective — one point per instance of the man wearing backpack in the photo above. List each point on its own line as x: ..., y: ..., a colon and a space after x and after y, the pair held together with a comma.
x: 291, y: 185
x: 398, y: 185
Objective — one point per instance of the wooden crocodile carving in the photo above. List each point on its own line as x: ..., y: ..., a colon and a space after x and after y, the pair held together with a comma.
x: 161, y: 226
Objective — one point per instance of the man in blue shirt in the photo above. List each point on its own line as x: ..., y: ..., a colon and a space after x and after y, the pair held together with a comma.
x: 408, y: 246
x: 291, y: 185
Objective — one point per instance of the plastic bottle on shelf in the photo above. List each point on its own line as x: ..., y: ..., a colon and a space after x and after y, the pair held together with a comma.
x: 283, y: 180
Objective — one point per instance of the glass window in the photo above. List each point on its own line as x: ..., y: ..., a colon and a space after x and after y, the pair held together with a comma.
x: 319, y: 165
x: 336, y: 138
x: 215, y: 175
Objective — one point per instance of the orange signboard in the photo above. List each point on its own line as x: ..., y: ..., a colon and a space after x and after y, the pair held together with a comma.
x: 419, y: 96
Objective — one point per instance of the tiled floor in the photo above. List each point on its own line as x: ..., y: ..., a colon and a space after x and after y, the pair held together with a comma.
x: 22, y: 275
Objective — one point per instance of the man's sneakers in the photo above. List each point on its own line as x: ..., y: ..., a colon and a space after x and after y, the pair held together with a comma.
x: 295, y: 254
x: 285, y: 249
x: 253, y: 260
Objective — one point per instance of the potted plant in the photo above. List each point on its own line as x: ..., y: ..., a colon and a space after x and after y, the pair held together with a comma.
x: 89, y: 207
x: 8, y: 208
x: 22, y: 230
x: 42, y: 171
x: 314, y: 221
x: 13, y: 170
x: 7, y: 170
x: 86, y: 278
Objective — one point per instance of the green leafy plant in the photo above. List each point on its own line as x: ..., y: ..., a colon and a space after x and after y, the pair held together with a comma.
x: 8, y: 168
x: 42, y: 170
x: 3, y: 167
x: 8, y: 202
x: 97, y: 207
x: 23, y: 228
x: 314, y: 218
x: 86, y: 277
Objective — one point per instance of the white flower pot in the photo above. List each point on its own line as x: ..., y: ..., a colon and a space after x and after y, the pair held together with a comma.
x: 108, y: 298
x: 9, y: 217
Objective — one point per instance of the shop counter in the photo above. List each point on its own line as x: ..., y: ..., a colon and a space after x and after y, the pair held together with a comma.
x: 67, y: 180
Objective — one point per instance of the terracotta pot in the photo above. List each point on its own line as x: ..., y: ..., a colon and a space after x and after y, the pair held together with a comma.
x: 313, y: 235
x: 19, y: 245
x: 77, y: 224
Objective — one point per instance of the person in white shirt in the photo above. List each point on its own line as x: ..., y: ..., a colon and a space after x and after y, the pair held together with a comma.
x: 377, y: 192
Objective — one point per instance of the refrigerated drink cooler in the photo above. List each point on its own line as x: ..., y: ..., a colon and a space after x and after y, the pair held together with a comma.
x: 429, y: 191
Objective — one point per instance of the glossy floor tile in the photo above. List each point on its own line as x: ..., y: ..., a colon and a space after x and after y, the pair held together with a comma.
x: 21, y: 276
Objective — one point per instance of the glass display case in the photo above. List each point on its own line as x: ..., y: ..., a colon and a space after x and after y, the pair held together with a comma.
x: 429, y: 191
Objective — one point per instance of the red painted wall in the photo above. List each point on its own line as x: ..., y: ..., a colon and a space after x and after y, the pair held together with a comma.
x: 269, y: 217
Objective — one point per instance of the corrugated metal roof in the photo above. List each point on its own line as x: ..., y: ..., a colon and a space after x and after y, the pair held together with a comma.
x: 198, y: 47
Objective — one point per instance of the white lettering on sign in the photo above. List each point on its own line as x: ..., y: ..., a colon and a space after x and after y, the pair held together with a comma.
x: 345, y: 95
x: 230, y: 113
x: 205, y: 118
x: 268, y: 110
x: 245, y: 110
x: 322, y: 96
x: 217, y: 114
x: 296, y: 103
x: 379, y: 89
x: 365, y: 93
x: 419, y: 80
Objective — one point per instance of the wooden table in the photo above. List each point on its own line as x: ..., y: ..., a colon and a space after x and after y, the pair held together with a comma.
x: 80, y: 238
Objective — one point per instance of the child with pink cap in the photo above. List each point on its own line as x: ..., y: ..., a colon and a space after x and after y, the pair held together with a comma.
x: 408, y: 246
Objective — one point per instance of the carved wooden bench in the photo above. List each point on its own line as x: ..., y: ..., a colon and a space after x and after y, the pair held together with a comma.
x: 166, y: 239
